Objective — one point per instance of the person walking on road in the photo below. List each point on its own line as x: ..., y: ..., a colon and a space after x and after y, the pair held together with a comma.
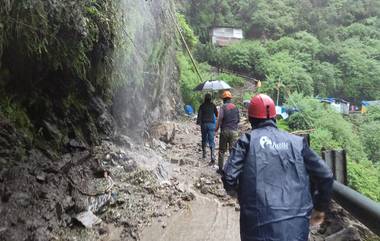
x: 269, y: 170
x: 228, y: 122
x: 207, y: 115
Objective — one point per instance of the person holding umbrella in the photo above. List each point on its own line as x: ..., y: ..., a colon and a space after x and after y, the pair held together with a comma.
x: 207, y: 114
x: 228, y: 122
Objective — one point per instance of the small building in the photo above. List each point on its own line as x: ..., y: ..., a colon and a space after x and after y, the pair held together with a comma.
x: 365, y: 104
x: 339, y: 105
x: 224, y: 36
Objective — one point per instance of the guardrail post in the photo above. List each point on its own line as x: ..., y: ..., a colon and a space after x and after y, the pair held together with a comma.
x: 364, y: 209
x: 337, y: 161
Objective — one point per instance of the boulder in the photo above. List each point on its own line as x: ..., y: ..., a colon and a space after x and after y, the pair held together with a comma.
x: 88, y: 219
x: 163, y: 131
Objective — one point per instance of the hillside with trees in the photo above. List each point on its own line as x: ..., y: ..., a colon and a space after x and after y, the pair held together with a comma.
x: 302, y: 49
x: 326, y: 48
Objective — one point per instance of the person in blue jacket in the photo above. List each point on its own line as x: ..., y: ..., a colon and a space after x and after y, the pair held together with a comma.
x: 207, y: 114
x: 269, y: 170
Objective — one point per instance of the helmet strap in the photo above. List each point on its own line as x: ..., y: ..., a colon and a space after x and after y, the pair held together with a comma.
x: 268, y: 114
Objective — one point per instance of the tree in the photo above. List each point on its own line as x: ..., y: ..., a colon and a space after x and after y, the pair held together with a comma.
x: 327, y: 79
x: 361, y: 72
x: 289, y: 72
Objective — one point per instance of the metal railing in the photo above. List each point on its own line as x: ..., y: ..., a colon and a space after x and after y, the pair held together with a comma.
x: 362, y: 208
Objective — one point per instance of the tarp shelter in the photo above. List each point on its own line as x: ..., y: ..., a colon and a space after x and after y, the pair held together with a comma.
x: 365, y: 104
x: 339, y: 105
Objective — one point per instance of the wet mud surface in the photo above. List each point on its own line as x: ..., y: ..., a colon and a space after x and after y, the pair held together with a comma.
x: 149, y: 191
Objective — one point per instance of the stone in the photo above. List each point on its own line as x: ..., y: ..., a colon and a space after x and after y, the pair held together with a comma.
x: 165, y: 183
x: 174, y: 160
x: 123, y: 141
x: 163, y: 131
x: 189, y: 196
x: 88, y: 219
x: 41, y: 177
x: 97, y: 203
x: 182, y: 162
x: 75, y: 144
x: 78, y: 157
x: 159, y: 144
x: 21, y: 198
x: 204, y: 190
x: 52, y: 131
x: 103, y: 230
x: 181, y: 188
x: 97, y: 105
x: 347, y: 234
x: 67, y: 202
x: 186, y: 161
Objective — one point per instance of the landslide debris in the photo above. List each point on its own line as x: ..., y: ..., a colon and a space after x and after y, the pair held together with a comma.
x: 104, y: 189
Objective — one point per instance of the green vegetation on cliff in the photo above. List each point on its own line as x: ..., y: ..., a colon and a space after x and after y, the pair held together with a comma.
x: 55, y: 57
x: 332, y: 131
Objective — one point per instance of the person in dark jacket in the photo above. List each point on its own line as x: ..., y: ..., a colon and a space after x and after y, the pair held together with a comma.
x: 270, y: 171
x: 228, y: 122
x: 207, y: 114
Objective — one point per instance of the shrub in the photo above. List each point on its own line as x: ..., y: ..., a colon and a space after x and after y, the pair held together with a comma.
x: 232, y: 80
x: 328, y: 124
x: 332, y: 131
x: 369, y: 133
x: 187, y: 32
x: 365, y: 178
x: 188, y: 81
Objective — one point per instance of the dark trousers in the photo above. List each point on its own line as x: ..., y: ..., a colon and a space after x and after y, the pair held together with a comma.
x: 226, y: 142
x: 208, y: 133
x: 294, y: 229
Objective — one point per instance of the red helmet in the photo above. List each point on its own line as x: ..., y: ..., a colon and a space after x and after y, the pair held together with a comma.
x: 262, y: 107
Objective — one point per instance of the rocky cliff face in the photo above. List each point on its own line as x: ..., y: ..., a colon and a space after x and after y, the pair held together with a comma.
x: 149, y: 90
x: 67, y: 71
x: 73, y: 73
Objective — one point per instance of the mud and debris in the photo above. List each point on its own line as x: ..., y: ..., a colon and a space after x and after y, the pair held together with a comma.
x: 121, y: 190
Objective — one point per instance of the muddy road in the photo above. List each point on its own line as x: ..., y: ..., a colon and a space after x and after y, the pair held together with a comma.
x: 205, y: 220
x: 161, y: 191
x: 212, y: 215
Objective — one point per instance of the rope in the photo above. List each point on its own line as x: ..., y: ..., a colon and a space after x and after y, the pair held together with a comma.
x: 184, y: 42
x: 142, y: 56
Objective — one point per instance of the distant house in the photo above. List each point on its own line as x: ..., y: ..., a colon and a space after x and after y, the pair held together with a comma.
x: 365, y: 104
x: 339, y: 105
x: 223, y: 36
